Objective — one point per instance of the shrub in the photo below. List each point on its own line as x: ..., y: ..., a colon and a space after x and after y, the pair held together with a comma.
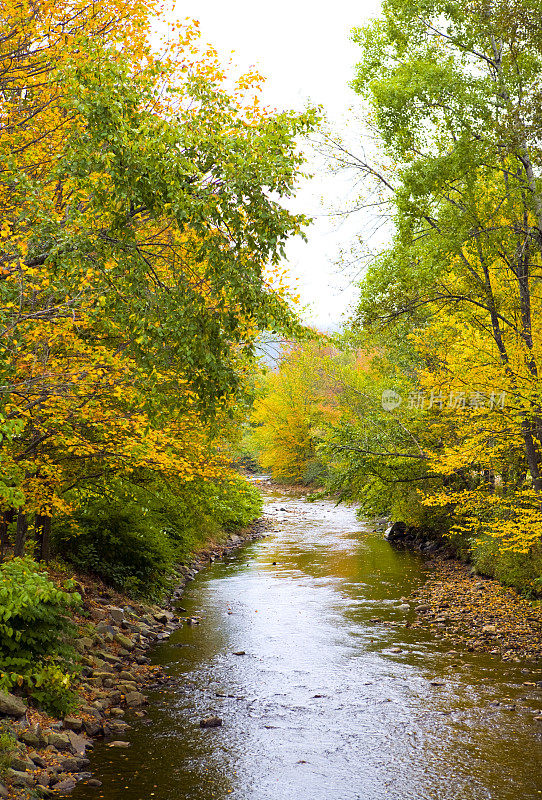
x: 34, y: 631
x: 133, y: 537
x: 523, y: 571
x: 120, y: 544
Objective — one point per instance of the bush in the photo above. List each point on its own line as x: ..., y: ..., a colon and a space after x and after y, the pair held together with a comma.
x: 134, y: 537
x: 523, y: 571
x: 119, y: 544
x: 34, y: 631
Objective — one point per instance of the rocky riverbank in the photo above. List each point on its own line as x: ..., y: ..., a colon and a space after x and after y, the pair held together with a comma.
x: 471, y: 611
x: 478, y: 614
x: 41, y: 756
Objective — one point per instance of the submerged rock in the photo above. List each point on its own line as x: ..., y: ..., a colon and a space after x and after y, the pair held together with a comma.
x: 210, y: 722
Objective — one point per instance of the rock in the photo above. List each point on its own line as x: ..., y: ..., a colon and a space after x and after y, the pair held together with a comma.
x: 66, y: 785
x: 210, y: 722
x: 396, y: 532
x: 135, y: 699
x: 92, y: 727
x: 17, y: 778
x: 119, y: 744
x: 116, y: 614
x: 61, y: 741
x: 117, y: 712
x: 104, y: 627
x: 83, y: 645
x: 37, y: 759
x: 164, y: 617
x: 94, y: 782
x: 74, y: 764
x: 437, y: 683
x: 404, y: 607
x: 73, y: 724
x: 239, y: 653
x: 127, y: 676
x: 21, y: 764
x: 33, y: 737
x: 11, y: 705
x: 124, y: 641
x: 3, y: 791
x: 111, y: 658
x: 78, y: 743
x: 489, y: 629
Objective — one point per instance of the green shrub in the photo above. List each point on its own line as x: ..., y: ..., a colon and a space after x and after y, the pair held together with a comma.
x: 134, y: 536
x: 523, y: 571
x: 118, y: 543
x: 34, y: 633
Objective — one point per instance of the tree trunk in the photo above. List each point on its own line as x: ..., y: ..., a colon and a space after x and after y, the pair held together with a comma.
x: 5, y: 520
x: 20, y: 536
x: 43, y: 537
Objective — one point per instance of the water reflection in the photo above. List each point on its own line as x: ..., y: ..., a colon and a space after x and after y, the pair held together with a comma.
x: 333, y: 697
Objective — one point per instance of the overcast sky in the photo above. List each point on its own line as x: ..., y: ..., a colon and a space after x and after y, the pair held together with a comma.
x: 304, y: 51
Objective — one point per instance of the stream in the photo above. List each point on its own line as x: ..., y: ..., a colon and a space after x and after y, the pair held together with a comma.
x: 333, y: 697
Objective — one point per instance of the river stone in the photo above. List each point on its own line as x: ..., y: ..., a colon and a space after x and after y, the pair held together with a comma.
x: 210, y: 722
x: 18, y: 778
x: 3, y: 791
x: 109, y: 657
x: 59, y: 740
x: 83, y: 644
x: 43, y: 778
x: 21, y: 764
x: 33, y: 737
x: 92, y: 727
x: 11, y: 705
x: 124, y: 641
x: 73, y: 724
x: 37, y: 759
x: 118, y: 743
x: 66, y: 785
x: 104, y: 627
x: 135, y: 699
x: 116, y: 614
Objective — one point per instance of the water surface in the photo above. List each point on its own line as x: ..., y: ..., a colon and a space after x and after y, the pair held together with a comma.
x: 333, y: 697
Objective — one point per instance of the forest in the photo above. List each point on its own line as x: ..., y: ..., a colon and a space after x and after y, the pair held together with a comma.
x: 145, y: 190
x: 427, y: 406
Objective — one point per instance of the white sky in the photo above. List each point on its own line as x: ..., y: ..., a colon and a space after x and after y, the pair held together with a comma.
x: 304, y: 51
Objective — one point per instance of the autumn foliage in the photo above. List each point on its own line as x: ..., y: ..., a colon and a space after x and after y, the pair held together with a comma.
x: 139, y: 257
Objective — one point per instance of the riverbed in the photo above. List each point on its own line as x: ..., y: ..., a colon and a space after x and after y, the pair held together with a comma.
x: 303, y: 650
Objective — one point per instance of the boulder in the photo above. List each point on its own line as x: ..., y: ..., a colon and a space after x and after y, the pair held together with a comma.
x: 17, y: 778
x: 210, y: 722
x: 33, y: 737
x: 116, y: 614
x: 124, y: 641
x: 11, y: 705
x: 135, y: 699
x: 66, y: 784
x: 21, y: 764
x: 396, y: 532
x: 73, y: 724
x: 61, y: 741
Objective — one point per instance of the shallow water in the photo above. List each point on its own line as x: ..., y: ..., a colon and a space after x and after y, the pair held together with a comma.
x: 320, y: 706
